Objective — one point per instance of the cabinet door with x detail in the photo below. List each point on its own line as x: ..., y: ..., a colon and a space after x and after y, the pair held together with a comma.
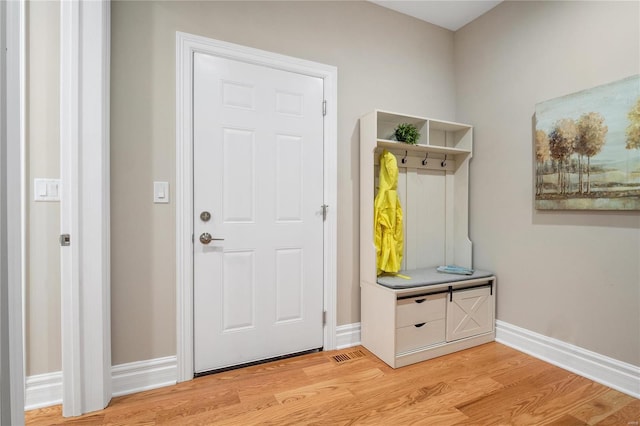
x: 469, y: 313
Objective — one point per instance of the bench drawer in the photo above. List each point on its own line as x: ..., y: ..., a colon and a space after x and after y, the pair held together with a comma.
x: 420, y: 335
x: 420, y: 309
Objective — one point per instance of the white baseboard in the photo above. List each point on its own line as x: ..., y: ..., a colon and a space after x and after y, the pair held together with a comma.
x: 599, y: 368
x: 347, y: 335
x: 45, y: 390
x: 143, y: 375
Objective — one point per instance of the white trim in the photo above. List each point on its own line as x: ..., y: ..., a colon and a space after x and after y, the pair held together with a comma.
x: 45, y: 390
x: 599, y: 368
x: 348, y: 335
x: 184, y: 226
x: 186, y: 46
x: 144, y: 375
x: 69, y: 223
x: 84, y: 207
x: 23, y: 203
x: 12, y: 22
x: 330, y: 76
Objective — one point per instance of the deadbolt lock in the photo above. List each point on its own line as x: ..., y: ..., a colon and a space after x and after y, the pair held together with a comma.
x: 205, y: 216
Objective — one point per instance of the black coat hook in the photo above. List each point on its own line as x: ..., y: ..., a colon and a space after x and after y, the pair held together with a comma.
x: 444, y: 162
x: 424, y: 162
x: 404, y: 159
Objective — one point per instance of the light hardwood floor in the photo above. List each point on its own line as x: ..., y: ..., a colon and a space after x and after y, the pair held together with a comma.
x: 487, y: 385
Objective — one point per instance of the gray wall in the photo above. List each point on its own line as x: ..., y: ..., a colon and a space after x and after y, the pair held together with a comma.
x: 384, y: 59
x: 574, y: 276
x: 42, y: 304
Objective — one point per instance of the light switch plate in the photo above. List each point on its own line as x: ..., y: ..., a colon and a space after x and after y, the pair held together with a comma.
x: 46, y: 189
x: 160, y: 192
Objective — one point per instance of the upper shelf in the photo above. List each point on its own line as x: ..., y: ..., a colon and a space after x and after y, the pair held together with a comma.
x: 437, y: 136
x: 392, y: 117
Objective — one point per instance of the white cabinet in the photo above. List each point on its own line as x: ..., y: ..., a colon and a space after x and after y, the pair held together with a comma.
x: 404, y: 326
x: 431, y: 318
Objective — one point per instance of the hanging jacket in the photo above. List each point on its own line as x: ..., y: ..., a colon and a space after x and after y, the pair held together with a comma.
x: 387, y: 217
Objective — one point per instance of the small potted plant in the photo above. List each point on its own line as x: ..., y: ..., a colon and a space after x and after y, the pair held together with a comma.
x: 407, y: 133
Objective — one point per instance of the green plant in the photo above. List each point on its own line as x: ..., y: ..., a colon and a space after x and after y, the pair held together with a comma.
x: 407, y: 133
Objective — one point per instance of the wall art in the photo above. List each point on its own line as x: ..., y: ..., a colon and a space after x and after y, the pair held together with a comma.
x: 587, y: 149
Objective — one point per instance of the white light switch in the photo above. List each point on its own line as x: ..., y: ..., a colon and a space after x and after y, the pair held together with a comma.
x: 46, y: 190
x: 41, y: 188
x: 160, y: 192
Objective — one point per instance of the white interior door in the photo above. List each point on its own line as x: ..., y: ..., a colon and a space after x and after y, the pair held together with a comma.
x: 258, y: 173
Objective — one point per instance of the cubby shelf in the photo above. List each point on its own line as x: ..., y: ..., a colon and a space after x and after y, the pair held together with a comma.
x: 438, y: 220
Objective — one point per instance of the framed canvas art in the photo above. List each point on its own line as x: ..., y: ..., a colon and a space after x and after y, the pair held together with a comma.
x: 587, y: 149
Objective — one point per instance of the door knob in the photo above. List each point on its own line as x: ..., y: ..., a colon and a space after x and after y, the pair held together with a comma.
x: 206, y: 238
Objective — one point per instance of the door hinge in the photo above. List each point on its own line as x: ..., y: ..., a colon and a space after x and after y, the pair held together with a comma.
x: 324, y: 108
x: 65, y: 240
x: 325, y: 207
x: 324, y: 317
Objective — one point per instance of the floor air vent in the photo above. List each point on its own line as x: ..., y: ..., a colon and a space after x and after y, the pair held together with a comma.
x: 347, y: 356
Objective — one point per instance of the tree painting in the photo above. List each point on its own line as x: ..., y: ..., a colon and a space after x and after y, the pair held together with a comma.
x: 633, y: 130
x: 562, y: 140
x: 542, y: 156
x: 587, y: 149
x: 591, y: 138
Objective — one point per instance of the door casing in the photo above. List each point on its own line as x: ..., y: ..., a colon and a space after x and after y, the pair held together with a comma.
x: 186, y: 46
x: 85, y: 266
x: 12, y: 218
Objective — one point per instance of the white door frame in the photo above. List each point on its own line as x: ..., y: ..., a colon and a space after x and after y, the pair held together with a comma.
x: 12, y: 22
x: 84, y: 206
x: 186, y: 46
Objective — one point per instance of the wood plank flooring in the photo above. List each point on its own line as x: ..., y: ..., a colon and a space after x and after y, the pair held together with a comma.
x: 487, y: 385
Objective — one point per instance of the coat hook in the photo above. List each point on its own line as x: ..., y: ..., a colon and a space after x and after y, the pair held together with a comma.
x: 424, y: 162
x: 404, y: 160
x: 444, y: 162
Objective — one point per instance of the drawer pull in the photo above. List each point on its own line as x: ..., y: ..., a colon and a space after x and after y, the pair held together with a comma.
x: 420, y: 300
x: 419, y: 325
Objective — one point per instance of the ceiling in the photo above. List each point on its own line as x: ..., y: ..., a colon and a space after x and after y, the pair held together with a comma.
x: 452, y: 14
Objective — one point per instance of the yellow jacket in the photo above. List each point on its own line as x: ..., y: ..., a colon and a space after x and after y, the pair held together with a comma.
x: 387, y: 217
